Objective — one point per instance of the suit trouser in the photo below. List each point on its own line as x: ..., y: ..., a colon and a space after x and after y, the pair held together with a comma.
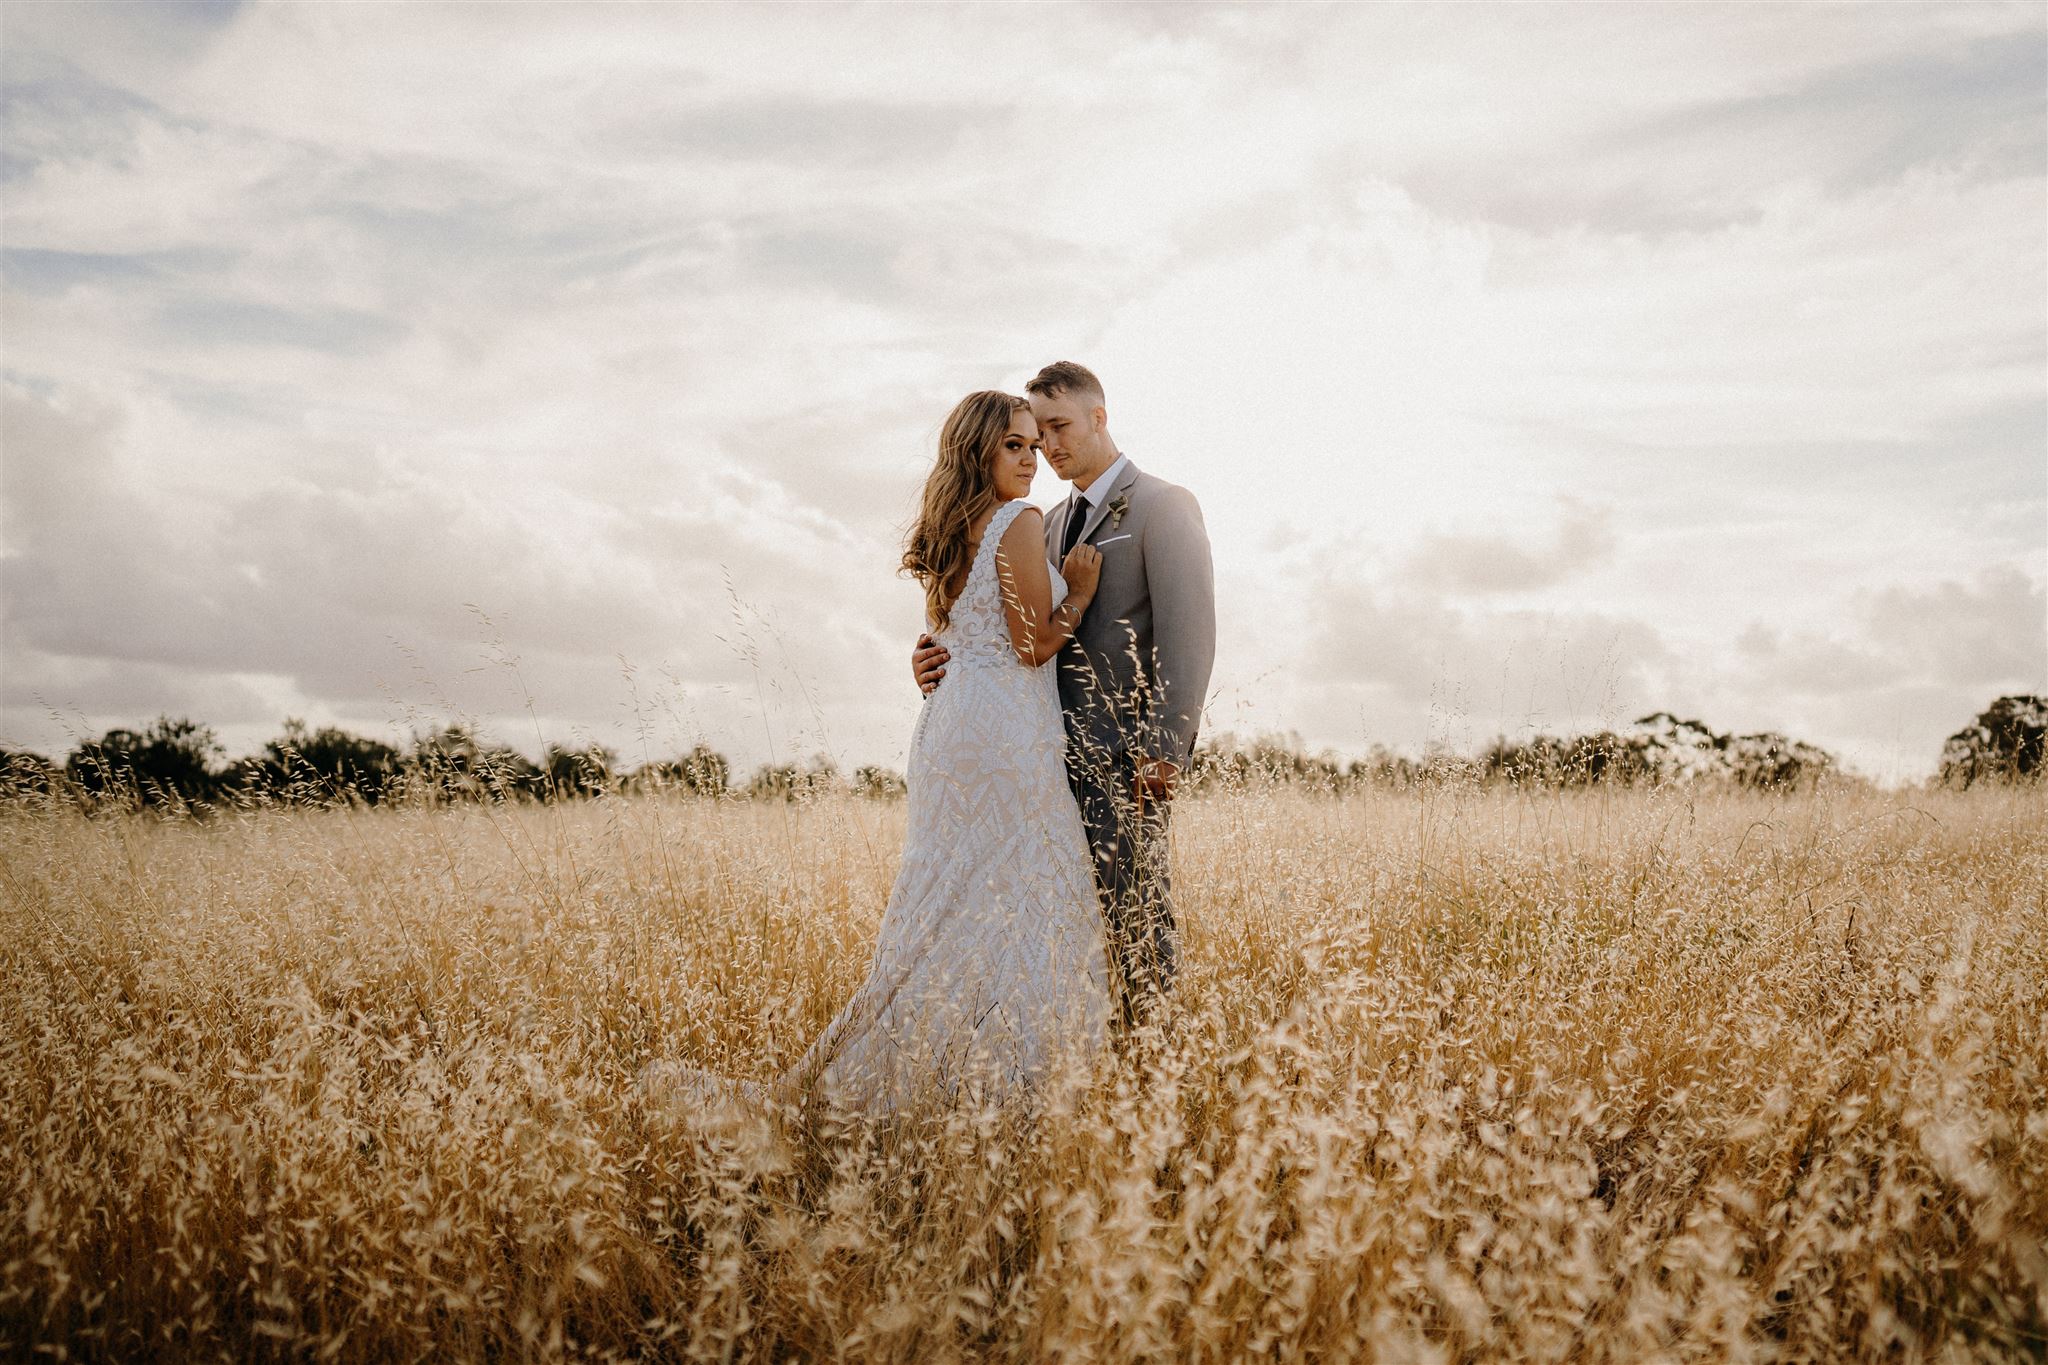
x: 1132, y: 875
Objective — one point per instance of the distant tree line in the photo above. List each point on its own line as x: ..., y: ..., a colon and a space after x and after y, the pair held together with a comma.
x: 2003, y: 744
x: 179, y: 764
x: 1659, y: 748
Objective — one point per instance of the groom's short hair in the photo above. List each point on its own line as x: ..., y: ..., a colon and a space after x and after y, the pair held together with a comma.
x: 1064, y: 376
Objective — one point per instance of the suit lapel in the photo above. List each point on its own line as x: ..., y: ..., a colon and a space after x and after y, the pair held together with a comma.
x: 1101, y: 509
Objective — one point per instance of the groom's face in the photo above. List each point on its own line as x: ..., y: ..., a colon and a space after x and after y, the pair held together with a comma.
x: 1075, y: 432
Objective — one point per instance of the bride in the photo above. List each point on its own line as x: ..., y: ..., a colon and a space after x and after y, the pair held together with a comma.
x: 989, y: 969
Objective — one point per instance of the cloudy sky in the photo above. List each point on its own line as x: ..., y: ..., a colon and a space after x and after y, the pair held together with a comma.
x: 574, y: 369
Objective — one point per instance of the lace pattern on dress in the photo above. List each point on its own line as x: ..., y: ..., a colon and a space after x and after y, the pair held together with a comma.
x: 990, y: 959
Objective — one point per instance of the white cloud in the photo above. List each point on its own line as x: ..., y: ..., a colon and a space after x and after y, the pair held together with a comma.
x: 1531, y: 367
x: 1583, y: 538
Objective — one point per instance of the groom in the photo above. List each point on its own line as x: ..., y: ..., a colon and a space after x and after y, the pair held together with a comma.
x: 1133, y: 677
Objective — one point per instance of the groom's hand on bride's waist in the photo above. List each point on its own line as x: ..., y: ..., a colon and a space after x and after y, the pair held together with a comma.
x: 928, y: 663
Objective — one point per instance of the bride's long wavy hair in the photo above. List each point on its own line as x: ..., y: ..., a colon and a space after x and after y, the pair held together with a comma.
x: 959, y: 489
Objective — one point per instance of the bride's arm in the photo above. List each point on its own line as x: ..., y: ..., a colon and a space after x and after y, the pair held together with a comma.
x: 1038, y: 628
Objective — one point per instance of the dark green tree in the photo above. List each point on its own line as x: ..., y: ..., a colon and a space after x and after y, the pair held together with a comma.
x: 452, y: 762
x: 1573, y: 761
x: 2003, y: 744
x: 1266, y: 760
x: 787, y: 782
x: 27, y: 776
x: 775, y: 782
x: 578, y: 772
x: 872, y: 780
x: 1768, y: 761
x: 701, y: 772
x: 328, y: 764
x: 170, y: 763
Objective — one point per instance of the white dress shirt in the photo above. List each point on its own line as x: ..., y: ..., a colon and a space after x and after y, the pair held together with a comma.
x: 1097, y: 491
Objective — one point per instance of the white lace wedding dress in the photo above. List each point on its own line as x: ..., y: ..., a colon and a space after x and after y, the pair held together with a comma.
x: 990, y: 964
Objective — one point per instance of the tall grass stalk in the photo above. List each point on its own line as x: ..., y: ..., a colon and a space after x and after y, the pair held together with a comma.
x: 1451, y: 1074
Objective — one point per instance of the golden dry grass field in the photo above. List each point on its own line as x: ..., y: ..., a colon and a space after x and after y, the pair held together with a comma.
x: 1461, y: 1074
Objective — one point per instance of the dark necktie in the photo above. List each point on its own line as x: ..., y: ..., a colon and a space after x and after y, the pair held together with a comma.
x: 1076, y: 517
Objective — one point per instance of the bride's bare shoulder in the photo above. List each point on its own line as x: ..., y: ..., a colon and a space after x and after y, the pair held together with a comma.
x: 1027, y: 527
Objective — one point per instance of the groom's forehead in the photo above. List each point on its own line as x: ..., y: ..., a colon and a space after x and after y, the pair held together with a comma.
x: 1052, y: 406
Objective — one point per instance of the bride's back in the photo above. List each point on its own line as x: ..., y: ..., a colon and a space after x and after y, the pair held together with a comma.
x: 978, y: 634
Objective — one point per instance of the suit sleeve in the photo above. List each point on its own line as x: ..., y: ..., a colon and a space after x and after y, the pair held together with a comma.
x: 1182, y: 583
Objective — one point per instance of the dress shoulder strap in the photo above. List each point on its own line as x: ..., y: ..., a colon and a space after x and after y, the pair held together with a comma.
x: 999, y: 523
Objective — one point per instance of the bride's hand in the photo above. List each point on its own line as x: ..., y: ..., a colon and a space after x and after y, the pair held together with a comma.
x: 1082, y: 568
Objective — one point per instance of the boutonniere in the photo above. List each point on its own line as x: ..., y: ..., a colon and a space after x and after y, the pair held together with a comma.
x: 1118, y: 505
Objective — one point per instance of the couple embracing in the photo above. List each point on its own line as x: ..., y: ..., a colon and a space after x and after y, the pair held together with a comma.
x: 1064, y: 673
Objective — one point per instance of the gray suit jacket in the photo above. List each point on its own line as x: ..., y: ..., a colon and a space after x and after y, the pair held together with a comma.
x: 1134, y: 677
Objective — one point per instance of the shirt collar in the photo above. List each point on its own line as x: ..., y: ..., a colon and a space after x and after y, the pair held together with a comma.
x: 1097, y: 491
